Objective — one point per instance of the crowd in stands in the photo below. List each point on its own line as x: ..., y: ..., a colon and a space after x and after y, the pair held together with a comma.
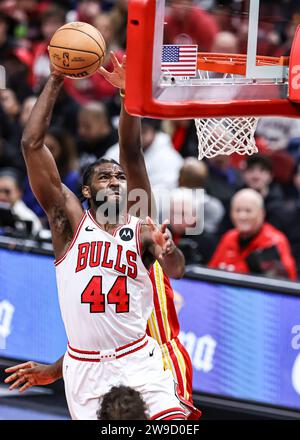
x: 251, y: 205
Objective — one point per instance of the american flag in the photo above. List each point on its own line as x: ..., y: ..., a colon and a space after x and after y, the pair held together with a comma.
x: 179, y: 60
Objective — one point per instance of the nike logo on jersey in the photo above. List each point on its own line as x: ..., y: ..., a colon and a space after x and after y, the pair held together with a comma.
x: 151, y: 354
x: 88, y: 229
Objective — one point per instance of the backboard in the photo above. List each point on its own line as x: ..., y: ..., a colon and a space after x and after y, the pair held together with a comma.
x: 211, y: 58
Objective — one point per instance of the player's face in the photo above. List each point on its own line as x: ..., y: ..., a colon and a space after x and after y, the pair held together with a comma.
x: 109, y: 184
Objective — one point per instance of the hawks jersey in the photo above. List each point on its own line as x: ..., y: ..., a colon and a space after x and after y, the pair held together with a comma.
x: 163, y: 326
x: 104, y: 289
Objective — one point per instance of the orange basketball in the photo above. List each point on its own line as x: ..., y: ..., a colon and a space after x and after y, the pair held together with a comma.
x: 77, y: 49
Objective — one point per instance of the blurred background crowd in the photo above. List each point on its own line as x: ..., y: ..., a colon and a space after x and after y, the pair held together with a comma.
x: 251, y: 204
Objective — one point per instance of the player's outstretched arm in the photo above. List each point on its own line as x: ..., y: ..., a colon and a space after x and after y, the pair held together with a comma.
x: 60, y: 204
x: 157, y: 244
x: 131, y: 152
x: 42, y: 171
x: 29, y: 374
x: 133, y: 163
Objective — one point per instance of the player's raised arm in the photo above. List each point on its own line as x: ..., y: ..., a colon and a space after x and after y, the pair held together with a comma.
x: 133, y: 162
x: 42, y: 171
x: 60, y: 204
x: 131, y: 152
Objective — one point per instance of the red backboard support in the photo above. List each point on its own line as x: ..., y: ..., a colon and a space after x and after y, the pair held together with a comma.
x: 143, y: 22
x: 294, y: 69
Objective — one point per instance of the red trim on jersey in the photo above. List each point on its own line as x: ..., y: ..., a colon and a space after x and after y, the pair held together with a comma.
x: 195, y: 413
x: 176, y: 366
x: 175, y: 417
x: 77, y: 230
x: 171, y: 412
x: 138, y: 237
x: 83, y: 359
x: 131, y: 343
x: 105, y: 357
x: 93, y: 220
x: 184, y: 378
x: 83, y: 352
x: 157, y: 307
x: 132, y: 351
x: 122, y: 347
x: 127, y: 220
x: 188, y: 370
x: 171, y: 314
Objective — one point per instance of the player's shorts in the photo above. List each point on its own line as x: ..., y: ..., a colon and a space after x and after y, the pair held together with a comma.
x: 88, y: 376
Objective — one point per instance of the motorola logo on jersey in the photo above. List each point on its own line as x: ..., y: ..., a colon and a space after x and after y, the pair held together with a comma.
x: 126, y: 234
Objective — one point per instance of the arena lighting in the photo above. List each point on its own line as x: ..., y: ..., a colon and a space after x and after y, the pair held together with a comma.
x: 2, y: 77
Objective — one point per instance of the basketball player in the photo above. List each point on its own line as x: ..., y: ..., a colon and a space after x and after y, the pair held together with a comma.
x: 102, y: 264
x: 122, y: 403
x: 163, y: 324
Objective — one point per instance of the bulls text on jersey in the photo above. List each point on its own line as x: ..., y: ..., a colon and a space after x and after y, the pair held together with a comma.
x: 99, y: 253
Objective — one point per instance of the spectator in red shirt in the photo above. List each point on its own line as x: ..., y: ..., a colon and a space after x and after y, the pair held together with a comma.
x: 253, y: 246
x: 186, y: 23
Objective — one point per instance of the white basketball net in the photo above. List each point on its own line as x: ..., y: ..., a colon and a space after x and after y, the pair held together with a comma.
x: 217, y: 136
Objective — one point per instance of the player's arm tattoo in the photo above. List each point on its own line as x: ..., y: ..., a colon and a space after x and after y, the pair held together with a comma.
x: 60, y: 224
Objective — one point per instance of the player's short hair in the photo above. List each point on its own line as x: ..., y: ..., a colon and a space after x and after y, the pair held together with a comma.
x: 122, y: 403
x: 88, y: 172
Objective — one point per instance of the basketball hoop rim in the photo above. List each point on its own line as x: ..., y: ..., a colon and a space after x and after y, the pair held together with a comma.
x: 234, y: 63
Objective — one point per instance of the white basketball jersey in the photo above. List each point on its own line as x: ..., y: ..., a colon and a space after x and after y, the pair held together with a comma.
x: 104, y: 289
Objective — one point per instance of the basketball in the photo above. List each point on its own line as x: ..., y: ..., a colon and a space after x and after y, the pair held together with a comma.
x: 77, y: 49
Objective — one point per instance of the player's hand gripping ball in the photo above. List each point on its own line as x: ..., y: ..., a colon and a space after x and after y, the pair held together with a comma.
x: 77, y: 50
